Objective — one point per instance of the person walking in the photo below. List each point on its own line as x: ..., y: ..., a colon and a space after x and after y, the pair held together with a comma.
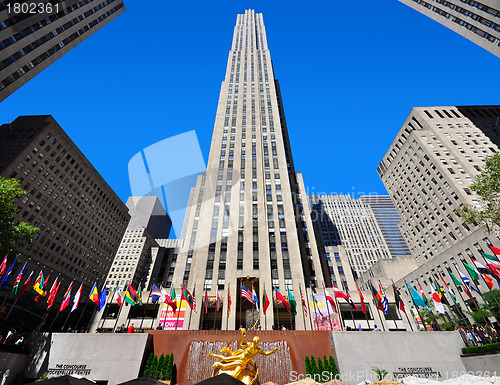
x: 131, y: 328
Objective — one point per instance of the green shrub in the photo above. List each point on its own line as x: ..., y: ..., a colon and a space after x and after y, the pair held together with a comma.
x: 488, y: 348
x: 147, y: 368
x: 315, y: 371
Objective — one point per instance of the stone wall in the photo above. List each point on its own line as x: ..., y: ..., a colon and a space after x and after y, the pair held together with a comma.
x: 483, y: 365
x: 433, y: 355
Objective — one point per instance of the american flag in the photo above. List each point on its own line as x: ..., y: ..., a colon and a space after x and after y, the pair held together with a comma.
x: 245, y: 293
x: 304, y: 303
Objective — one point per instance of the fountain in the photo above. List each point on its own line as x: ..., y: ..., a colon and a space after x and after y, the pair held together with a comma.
x: 275, y: 367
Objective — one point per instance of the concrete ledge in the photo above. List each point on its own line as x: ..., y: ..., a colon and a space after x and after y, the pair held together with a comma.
x: 484, y: 363
x: 433, y: 355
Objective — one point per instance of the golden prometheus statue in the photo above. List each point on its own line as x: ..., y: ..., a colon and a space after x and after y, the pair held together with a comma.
x: 240, y: 364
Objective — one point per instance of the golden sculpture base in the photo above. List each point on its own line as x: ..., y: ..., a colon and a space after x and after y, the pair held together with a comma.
x: 221, y: 379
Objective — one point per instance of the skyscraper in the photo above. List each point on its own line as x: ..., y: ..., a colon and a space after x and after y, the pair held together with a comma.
x: 477, y: 21
x: 32, y: 39
x: 249, y: 221
x: 80, y: 218
x: 342, y: 220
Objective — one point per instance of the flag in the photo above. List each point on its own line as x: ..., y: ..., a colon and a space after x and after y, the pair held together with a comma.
x: 351, y: 302
x: 94, y: 294
x: 67, y: 296
x: 7, y: 275
x: 486, y: 270
x: 330, y: 299
x: 339, y: 293
x: 471, y: 270
x: 438, y: 305
x: 399, y: 302
x: 495, y: 250
x: 170, y: 300
x: 492, y: 260
x: 245, y: 293
x: 26, y: 283
x: 450, y: 291
x: 417, y: 299
x: 52, y: 293
x: 217, y: 303
x: 488, y: 280
x: 3, y: 267
x: 304, y: 306
x: 385, y: 302
x: 229, y: 301
x: 265, y: 302
x: 279, y: 297
x: 117, y: 297
x: 186, y: 295
x: 155, y: 293
x: 194, y: 299
x: 15, y: 289
x: 315, y: 301
x: 422, y: 294
x: 255, y: 299
x: 363, y: 306
x: 130, y: 295
x: 76, y: 300
x: 293, y: 303
x: 376, y: 297
x: 458, y: 283
x: 139, y: 295
x: 466, y: 282
x: 40, y: 285
x: 206, y: 301
x: 102, y: 298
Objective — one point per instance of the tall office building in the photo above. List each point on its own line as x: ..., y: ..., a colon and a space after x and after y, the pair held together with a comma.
x: 31, y: 39
x: 342, y: 220
x: 477, y: 21
x: 388, y: 220
x: 248, y: 220
x: 427, y: 171
x: 81, y: 220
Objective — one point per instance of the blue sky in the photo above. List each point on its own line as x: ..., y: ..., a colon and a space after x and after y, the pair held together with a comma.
x: 350, y: 72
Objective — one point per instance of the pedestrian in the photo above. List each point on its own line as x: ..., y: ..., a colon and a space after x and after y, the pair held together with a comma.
x: 131, y: 328
x: 375, y: 328
x: 360, y: 329
x: 159, y: 327
x: 19, y: 341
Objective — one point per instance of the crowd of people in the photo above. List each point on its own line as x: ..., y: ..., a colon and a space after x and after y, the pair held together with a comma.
x: 12, y: 337
x: 479, y: 335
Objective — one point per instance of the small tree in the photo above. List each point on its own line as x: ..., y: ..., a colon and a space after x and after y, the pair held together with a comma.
x: 154, y: 367
x: 308, y: 365
x: 170, y: 368
x: 147, y: 368
x: 326, y: 364
x: 161, y: 367
x: 487, y: 187
x: 333, y: 365
x: 314, y: 367
x: 12, y: 236
x: 321, y: 368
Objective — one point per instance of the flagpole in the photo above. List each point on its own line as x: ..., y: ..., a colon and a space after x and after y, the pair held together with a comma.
x: 309, y: 308
x: 277, y: 314
x: 178, y: 310
x: 241, y: 291
x: 216, y: 311
x: 106, y: 310
x: 290, y: 313
x: 65, y: 321
x: 480, y: 293
x: 81, y: 315
x: 416, y: 307
x: 497, y: 279
x: 327, y: 308
x: 205, y: 305
x: 166, y: 310
x: 144, y: 310
x: 119, y: 311
x: 397, y: 304
x: 12, y: 307
x: 302, y: 306
x: 191, y: 312
x: 465, y: 303
x: 452, y: 319
x: 228, y: 308
x: 263, y: 306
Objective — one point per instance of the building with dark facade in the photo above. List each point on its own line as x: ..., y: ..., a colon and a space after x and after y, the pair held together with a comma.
x: 478, y: 21
x: 30, y: 42
x: 81, y: 220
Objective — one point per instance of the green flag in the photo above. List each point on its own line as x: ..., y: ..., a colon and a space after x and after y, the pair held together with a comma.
x: 139, y: 296
x: 490, y: 257
x: 455, y: 280
x: 292, y: 302
x: 472, y: 271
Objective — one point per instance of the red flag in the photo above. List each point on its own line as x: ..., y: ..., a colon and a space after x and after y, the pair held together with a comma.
x: 206, y: 302
x: 26, y: 284
x: 52, y: 294
x: 77, y: 298
x: 363, y: 306
x: 495, y: 250
x: 67, y: 296
x: 488, y: 280
x: 339, y: 293
x: 351, y: 302
x: 3, y: 267
x: 304, y: 306
x: 218, y: 301
x: 265, y: 302
x: 330, y: 299
x: 279, y: 297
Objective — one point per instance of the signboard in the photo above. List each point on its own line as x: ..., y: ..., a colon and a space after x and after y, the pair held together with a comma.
x: 417, y: 317
x: 170, y: 320
x: 322, y: 314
